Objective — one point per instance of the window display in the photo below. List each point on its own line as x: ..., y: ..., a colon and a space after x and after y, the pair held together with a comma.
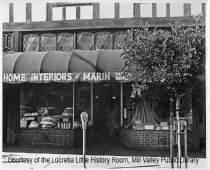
x: 51, y: 105
x: 46, y: 106
x: 146, y: 113
x: 153, y: 112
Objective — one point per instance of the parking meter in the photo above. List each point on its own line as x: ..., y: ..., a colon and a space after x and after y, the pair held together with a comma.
x: 84, y: 119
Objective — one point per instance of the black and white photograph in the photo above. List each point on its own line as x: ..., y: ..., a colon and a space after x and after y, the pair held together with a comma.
x: 104, y: 84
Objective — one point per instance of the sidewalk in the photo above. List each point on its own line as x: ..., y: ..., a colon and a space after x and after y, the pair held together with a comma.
x: 104, y: 147
x: 102, y: 154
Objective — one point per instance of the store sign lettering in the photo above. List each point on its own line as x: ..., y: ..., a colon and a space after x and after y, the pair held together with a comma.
x: 14, y: 77
x: 62, y: 77
x: 51, y: 77
x: 120, y: 77
x: 96, y: 76
x: 41, y: 77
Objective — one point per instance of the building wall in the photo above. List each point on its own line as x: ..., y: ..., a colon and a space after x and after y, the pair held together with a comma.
x: 150, y: 139
x: 53, y: 137
x: 11, y: 112
x: 199, y: 115
x: 46, y: 137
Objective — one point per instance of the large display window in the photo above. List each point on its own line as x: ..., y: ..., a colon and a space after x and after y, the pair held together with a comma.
x: 46, y: 106
x: 151, y: 110
x: 54, y: 105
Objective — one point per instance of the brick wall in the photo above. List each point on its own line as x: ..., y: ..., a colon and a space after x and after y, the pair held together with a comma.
x: 149, y: 139
x: 190, y: 140
x: 46, y: 137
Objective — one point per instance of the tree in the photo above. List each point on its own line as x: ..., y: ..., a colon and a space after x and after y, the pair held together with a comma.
x: 173, y: 59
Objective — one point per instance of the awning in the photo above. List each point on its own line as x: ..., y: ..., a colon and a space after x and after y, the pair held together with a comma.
x: 96, y: 65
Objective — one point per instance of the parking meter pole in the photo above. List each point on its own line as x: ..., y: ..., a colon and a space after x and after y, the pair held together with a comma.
x: 84, y: 119
x: 84, y: 147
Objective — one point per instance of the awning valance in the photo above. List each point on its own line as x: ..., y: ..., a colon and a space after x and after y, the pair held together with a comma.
x: 96, y: 65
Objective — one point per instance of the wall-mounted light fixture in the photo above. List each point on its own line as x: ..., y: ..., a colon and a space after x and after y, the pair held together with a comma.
x: 96, y: 97
x: 114, y: 97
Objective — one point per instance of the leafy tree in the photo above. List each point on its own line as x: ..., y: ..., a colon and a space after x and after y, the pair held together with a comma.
x: 168, y: 58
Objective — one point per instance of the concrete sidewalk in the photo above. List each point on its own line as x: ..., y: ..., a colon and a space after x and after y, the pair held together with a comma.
x: 113, y: 148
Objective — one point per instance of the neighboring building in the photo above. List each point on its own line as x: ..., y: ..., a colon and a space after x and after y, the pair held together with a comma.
x: 98, y: 38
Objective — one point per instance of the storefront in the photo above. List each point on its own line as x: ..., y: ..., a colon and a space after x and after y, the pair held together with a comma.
x: 55, y: 87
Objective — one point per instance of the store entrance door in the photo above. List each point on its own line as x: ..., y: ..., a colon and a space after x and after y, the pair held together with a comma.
x: 105, y: 118
x: 100, y: 117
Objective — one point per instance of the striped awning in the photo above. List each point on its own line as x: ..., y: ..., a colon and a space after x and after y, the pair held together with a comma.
x: 75, y: 62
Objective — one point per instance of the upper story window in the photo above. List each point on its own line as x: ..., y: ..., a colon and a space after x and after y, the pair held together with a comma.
x: 85, y: 41
x: 48, y: 42
x: 31, y: 42
x: 65, y: 42
x: 119, y: 39
x: 104, y: 40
